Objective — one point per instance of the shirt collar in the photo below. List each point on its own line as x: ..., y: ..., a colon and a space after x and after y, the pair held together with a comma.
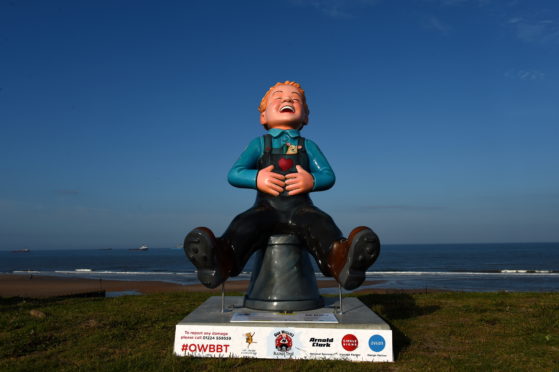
x: 275, y: 132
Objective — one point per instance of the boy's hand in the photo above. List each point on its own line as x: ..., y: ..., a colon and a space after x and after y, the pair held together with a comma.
x: 300, y: 182
x: 270, y: 182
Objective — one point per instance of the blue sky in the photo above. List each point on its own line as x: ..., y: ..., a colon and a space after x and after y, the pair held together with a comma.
x: 120, y: 119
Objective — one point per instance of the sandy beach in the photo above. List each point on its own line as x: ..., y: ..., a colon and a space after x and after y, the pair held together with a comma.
x: 33, y: 286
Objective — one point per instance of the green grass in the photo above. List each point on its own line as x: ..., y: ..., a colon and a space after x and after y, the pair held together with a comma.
x: 446, y: 331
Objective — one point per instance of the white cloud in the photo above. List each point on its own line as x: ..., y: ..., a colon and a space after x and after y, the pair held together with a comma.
x: 434, y: 23
x: 526, y: 75
x: 542, y: 31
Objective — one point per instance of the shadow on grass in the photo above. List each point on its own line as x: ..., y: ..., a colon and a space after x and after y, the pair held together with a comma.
x: 393, y: 306
x: 5, y: 301
x: 16, y: 303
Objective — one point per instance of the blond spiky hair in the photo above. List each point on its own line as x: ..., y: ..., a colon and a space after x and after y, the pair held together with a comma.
x: 264, y: 101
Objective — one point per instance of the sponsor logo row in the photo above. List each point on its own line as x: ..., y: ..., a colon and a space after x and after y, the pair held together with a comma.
x: 284, y: 342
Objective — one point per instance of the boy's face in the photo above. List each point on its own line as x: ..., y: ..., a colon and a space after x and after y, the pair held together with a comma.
x: 285, y: 109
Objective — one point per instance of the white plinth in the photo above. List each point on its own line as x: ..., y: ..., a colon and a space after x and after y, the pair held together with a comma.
x: 356, y: 335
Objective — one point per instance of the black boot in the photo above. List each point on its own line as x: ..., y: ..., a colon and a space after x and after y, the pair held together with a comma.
x: 350, y: 258
x: 212, y: 260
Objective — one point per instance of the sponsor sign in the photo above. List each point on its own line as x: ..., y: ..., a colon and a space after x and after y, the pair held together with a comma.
x: 377, y: 343
x: 350, y: 342
x: 250, y: 341
x: 283, y: 343
x: 238, y: 340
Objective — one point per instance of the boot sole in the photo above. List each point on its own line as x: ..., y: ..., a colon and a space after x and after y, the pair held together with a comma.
x: 362, y: 254
x: 200, y: 247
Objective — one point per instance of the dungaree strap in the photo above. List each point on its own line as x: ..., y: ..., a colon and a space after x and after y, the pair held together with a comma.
x: 267, y: 153
x: 301, y: 143
x: 267, y: 143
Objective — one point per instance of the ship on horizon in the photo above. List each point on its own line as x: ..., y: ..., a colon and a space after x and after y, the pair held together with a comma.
x: 143, y: 247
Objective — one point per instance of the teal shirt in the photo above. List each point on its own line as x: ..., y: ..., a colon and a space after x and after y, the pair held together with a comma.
x: 244, y: 171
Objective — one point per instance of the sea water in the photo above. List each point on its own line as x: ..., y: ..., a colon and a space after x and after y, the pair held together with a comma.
x: 462, y: 267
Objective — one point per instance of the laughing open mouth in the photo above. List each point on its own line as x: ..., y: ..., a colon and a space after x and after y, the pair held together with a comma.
x: 287, y: 108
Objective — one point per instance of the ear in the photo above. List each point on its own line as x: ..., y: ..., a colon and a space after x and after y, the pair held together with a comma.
x: 263, y: 120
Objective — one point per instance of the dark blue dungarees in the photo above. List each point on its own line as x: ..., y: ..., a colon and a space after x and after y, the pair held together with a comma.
x: 282, y: 214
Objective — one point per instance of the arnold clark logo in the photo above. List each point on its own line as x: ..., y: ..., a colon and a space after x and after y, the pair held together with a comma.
x: 377, y: 343
x: 321, y: 342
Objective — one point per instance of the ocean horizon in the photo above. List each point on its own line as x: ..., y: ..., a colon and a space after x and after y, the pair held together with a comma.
x: 459, y: 267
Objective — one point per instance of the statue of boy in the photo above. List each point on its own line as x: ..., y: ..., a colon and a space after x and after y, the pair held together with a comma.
x: 284, y: 167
